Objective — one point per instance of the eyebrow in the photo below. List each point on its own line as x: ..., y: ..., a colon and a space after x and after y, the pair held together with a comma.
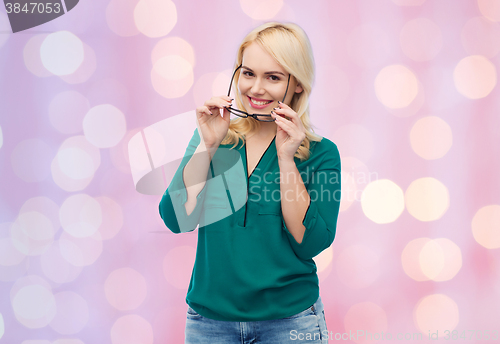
x: 273, y: 72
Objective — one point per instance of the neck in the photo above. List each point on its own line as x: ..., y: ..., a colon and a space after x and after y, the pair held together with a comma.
x: 266, y: 130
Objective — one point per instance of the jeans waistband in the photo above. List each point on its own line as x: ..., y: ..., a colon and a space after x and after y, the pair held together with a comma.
x: 318, y: 305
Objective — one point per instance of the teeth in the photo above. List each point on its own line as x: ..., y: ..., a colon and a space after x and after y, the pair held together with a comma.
x: 260, y: 103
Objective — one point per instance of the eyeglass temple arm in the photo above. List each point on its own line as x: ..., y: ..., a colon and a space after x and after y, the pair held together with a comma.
x: 286, y: 88
x: 231, y: 83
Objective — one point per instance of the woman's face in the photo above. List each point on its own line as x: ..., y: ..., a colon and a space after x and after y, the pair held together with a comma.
x: 262, y: 81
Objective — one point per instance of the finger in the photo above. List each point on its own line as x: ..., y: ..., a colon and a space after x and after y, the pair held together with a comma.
x: 278, y: 118
x: 286, y: 113
x: 283, y: 105
x: 290, y: 114
x: 207, y: 111
x: 284, y: 124
x: 202, y: 110
x: 218, y: 102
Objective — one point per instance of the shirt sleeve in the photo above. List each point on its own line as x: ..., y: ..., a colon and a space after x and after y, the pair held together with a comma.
x: 321, y: 216
x: 171, y: 208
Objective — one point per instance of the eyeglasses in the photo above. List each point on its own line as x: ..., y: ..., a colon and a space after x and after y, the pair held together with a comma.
x: 258, y: 117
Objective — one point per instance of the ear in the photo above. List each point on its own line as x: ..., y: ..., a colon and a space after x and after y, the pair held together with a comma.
x: 298, y: 88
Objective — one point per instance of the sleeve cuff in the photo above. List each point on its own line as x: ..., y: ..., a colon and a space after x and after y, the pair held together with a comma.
x: 308, y: 222
x: 187, y: 223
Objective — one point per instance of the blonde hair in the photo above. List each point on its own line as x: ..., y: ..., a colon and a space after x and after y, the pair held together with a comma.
x: 289, y: 45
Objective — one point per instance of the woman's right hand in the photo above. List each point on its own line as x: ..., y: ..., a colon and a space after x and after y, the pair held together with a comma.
x: 213, y: 127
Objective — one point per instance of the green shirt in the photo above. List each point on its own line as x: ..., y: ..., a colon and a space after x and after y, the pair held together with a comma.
x: 248, y: 265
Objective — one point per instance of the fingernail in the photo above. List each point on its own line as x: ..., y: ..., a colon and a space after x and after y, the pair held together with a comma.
x: 274, y: 108
x: 279, y: 102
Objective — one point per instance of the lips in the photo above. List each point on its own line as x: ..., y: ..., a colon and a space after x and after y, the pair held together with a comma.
x: 259, y: 103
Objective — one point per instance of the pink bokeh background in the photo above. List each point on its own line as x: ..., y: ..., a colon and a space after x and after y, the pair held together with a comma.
x: 407, y: 89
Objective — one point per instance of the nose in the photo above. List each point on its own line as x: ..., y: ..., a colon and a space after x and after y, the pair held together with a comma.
x: 257, y: 87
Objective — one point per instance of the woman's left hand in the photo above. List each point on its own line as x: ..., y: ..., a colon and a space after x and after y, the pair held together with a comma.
x: 290, y: 132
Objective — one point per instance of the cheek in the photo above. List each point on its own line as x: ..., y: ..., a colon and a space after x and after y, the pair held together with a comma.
x: 243, y: 86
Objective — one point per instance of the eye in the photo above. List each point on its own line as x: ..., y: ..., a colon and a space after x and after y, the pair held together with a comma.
x: 274, y: 78
x: 247, y: 73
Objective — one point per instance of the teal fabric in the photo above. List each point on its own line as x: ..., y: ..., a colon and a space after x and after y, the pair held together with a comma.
x: 248, y: 265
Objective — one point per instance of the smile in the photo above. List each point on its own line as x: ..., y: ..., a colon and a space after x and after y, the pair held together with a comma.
x: 259, y: 104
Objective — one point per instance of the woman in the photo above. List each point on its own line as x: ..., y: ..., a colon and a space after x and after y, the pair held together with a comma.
x: 254, y: 279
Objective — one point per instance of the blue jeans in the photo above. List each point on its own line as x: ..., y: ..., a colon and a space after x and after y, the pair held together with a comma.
x: 308, y: 326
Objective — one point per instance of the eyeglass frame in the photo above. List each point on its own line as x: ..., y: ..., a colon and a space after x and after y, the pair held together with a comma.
x: 254, y: 115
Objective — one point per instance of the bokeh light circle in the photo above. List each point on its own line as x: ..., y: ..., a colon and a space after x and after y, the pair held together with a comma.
x: 421, y: 39
x: 155, y: 18
x: 481, y: 36
x: 132, y: 329
x: 452, y: 260
x: 72, y: 313
x: 382, y: 201
x: 86, y: 69
x: 32, y: 233
x: 34, y: 306
x: 13, y: 264
x: 427, y: 199
x: 486, y: 226
x: 431, y: 259
x: 172, y: 76
x: 437, y: 312
x: 56, y: 268
x: 32, y: 58
x: 410, y: 259
x: 112, y: 217
x: 475, y: 76
x: 261, y: 9
x: 427, y: 259
x: 490, y: 9
x: 70, y: 182
x: 80, y: 251
x: 396, y: 86
x: 431, y: 137
x: 210, y: 85
x: 120, y: 17
x: 125, y: 289
x: 9, y: 255
x: 80, y: 215
x: 75, y: 163
x: 104, y: 126
x: 172, y: 67
x: 175, y: 46
x: 62, y: 53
